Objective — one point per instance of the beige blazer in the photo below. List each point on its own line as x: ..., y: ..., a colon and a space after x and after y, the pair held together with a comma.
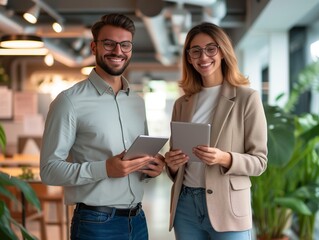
x: 238, y: 127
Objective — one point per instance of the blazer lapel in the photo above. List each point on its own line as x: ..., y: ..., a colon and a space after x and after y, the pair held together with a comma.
x: 223, y: 108
x: 188, y: 108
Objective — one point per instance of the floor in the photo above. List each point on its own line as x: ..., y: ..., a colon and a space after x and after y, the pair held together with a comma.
x: 156, y: 207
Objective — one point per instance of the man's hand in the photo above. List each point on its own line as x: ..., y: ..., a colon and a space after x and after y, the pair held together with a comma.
x: 116, y: 167
x: 155, y: 167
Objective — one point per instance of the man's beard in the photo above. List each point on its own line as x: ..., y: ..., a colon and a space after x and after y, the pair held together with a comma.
x: 100, y: 62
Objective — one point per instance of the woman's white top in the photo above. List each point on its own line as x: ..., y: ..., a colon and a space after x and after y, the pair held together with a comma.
x: 205, y: 108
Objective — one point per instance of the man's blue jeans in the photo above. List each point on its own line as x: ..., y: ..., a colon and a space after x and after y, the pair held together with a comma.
x: 192, y: 221
x: 93, y: 225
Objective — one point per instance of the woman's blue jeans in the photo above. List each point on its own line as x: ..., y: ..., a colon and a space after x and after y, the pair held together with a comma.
x: 192, y: 221
x: 93, y: 225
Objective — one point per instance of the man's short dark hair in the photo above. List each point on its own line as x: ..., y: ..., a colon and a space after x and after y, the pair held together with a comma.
x: 114, y: 19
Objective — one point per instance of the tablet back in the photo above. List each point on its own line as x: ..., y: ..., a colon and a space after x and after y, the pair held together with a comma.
x: 145, y: 145
x: 186, y: 135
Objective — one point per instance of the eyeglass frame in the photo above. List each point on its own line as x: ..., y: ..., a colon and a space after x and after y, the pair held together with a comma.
x: 203, y: 50
x: 119, y: 43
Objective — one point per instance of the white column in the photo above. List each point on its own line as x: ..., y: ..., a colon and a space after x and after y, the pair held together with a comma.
x: 278, y: 67
x: 251, y: 66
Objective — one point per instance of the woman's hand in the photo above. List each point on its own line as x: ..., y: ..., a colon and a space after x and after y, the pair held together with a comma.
x: 212, y: 156
x: 175, y: 159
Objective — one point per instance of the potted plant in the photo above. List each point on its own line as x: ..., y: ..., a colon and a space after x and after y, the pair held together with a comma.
x: 307, y: 167
x: 304, y: 166
x: 289, y: 185
x: 273, y: 201
x: 6, y: 221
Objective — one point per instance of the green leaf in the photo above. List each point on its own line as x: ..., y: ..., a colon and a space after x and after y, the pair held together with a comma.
x: 27, y: 190
x: 303, y: 193
x: 6, y: 220
x: 3, y: 139
x: 6, y: 231
x: 281, y: 137
x: 295, y: 204
x: 310, y: 134
x: 26, y: 235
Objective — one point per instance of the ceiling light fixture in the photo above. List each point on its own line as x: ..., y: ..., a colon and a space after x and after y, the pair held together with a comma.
x: 32, y: 14
x: 3, y: 2
x: 23, y: 51
x: 21, y: 41
x: 59, y: 20
x: 57, y: 27
x: 49, y: 59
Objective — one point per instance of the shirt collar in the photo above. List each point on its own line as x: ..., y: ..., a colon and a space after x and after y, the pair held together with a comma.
x: 101, y: 86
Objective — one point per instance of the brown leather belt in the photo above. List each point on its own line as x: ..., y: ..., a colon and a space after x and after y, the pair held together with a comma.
x: 126, y: 212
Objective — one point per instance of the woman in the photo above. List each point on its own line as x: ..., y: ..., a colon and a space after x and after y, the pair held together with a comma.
x: 211, y: 199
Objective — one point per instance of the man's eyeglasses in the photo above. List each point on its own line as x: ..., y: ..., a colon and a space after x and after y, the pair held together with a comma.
x: 110, y: 45
x: 210, y: 50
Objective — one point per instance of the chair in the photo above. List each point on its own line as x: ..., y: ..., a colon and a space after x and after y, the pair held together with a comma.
x: 69, y: 214
x: 51, y: 195
x: 47, y: 194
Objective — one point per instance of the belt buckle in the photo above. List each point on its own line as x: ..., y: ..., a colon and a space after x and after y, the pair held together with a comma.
x: 136, y: 210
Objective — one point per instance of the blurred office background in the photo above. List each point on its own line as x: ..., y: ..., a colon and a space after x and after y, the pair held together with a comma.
x: 274, y: 41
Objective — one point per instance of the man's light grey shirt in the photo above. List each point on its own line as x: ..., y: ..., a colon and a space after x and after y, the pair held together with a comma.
x: 86, y: 125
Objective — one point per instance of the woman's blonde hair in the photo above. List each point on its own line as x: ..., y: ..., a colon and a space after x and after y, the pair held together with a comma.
x: 191, y: 80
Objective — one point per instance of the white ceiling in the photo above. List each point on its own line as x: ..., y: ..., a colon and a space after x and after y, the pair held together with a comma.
x: 281, y: 16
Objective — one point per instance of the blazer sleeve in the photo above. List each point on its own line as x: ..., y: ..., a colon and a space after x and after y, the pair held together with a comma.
x: 253, y: 160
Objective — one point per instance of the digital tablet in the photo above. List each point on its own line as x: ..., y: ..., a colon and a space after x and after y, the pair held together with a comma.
x: 186, y: 135
x: 145, y: 145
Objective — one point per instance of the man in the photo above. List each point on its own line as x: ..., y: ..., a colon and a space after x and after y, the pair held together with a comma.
x: 87, y: 130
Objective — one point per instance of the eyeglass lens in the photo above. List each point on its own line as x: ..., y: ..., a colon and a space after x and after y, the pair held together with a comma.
x: 210, y: 50
x: 109, y: 45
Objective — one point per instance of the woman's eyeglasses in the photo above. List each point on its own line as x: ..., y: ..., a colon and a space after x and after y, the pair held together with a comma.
x: 110, y: 45
x: 210, y: 50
